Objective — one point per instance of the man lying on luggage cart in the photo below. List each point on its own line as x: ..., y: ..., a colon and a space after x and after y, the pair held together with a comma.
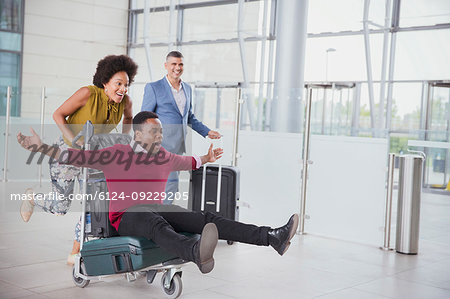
x: 136, y: 175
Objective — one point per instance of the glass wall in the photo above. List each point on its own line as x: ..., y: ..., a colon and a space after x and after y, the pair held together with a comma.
x: 422, y: 13
x: 422, y: 55
x: 11, y: 31
x: 207, y: 34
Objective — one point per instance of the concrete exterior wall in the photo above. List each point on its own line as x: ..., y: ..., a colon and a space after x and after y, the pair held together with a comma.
x: 63, y: 41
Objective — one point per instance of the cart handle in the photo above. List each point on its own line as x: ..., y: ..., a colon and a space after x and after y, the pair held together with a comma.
x: 87, y: 132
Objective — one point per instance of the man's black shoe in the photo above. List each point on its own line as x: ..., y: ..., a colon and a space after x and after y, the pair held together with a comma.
x: 279, y: 238
x: 204, y: 248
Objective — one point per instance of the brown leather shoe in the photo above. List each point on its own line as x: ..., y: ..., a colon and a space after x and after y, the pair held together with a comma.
x: 27, y: 206
x: 204, y: 248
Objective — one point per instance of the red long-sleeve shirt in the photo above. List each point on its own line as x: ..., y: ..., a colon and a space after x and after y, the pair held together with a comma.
x: 132, y: 178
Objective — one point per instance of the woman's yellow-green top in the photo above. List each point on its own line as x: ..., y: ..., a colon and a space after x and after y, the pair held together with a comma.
x: 103, y: 114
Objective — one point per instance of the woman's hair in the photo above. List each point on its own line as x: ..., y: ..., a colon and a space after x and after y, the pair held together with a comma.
x: 110, y: 65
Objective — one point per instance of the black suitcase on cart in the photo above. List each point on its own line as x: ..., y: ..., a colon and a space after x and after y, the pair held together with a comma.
x: 98, y: 207
x: 98, y: 204
x: 229, y: 190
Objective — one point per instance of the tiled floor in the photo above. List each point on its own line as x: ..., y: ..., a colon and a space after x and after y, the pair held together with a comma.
x: 32, y: 265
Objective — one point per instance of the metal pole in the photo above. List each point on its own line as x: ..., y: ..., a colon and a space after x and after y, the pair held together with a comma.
x: 324, y: 109
x: 146, y: 37
x: 236, y: 128
x: 83, y: 205
x: 388, y: 215
x: 390, y: 84
x: 269, y: 88
x: 430, y: 96
x: 340, y: 113
x: 270, y: 66
x: 394, y: 29
x: 180, y: 21
x: 383, y: 63
x: 423, y: 110
x: 262, y: 68
x: 369, y: 65
x: 306, y: 141
x: 347, y: 110
x: 355, y: 110
x: 8, y: 116
x: 240, y: 31
x: 333, y: 87
x: 42, y: 129
x: 429, y: 103
x: 171, y: 24
x: 218, y: 108
x: 448, y: 120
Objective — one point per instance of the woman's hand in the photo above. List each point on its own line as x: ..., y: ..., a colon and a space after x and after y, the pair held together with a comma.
x: 78, y: 144
x: 32, y: 143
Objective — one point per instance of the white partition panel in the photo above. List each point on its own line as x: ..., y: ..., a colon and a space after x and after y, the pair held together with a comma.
x: 346, y: 188
x: 270, y: 176
x: 198, y: 145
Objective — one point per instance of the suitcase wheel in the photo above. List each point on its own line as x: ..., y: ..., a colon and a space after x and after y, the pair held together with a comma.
x: 80, y: 282
x: 175, y: 288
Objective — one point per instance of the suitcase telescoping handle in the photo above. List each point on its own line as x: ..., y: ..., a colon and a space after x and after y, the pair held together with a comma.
x: 219, y: 182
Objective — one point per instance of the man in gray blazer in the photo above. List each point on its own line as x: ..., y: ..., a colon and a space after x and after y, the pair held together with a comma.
x: 171, y: 100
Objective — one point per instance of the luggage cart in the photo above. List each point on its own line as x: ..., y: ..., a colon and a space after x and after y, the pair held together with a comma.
x: 112, y: 255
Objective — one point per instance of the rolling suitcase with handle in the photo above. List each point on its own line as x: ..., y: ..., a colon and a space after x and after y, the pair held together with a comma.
x: 215, y: 188
x: 98, y: 206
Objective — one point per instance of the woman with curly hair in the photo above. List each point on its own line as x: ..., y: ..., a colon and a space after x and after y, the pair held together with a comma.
x: 103, y: 103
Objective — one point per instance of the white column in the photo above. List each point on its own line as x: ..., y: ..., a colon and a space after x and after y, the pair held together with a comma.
x: 287, y: 108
